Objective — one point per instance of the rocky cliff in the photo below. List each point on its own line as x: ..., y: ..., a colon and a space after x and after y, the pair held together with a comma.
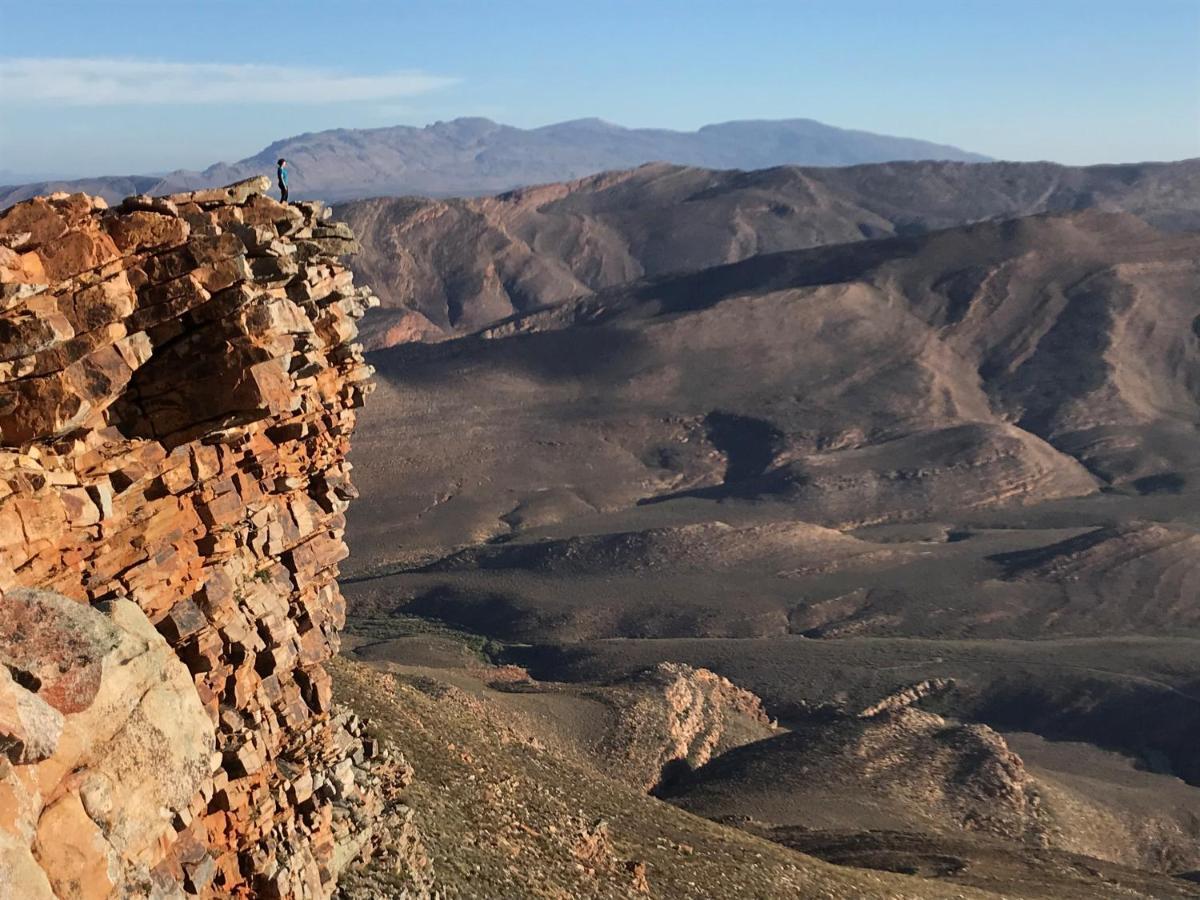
x: 178, y: 382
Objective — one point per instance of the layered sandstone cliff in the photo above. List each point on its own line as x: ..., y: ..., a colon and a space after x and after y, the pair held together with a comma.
x: 178, y: 382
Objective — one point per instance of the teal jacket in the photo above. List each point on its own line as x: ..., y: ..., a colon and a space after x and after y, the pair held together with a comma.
x: 282, y: 172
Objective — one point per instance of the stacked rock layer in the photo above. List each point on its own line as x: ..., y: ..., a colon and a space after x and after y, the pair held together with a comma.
x: 178, y: 382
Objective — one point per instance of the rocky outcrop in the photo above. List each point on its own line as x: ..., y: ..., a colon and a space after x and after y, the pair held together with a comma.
x: 673, y: 718
x: 178, y: 382
x: 909, y: 696
x: 897, y: 768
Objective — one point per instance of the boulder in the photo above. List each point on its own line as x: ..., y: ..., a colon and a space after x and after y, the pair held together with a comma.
x: 112, y: 743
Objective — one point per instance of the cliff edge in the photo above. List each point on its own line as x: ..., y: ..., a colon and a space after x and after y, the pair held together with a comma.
x: 178, y: 385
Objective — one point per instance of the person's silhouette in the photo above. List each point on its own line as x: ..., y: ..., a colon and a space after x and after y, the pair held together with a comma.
x: 281, y: 173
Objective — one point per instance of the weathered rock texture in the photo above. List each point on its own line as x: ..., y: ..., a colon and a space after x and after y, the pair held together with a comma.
x: 674, y: 718
x: 177, y: 390
x: 110, y: 740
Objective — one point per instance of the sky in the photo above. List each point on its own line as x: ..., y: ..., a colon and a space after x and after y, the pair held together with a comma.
x: 122, y: 87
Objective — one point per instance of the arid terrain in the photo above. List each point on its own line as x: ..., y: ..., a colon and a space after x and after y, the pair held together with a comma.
x: 926, y: 495
x: 600, y: 451
x: 829, y: 563
x: 454, y: 266
x: 524, y: 789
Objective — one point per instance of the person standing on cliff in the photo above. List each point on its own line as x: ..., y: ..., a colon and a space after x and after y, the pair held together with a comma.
x: 281, y: 172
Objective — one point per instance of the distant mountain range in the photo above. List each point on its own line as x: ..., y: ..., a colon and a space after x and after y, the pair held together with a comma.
x: 461, y: 264
x: 479, y: 156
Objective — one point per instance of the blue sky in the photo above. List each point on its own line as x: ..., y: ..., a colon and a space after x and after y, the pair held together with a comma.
x: 122, y: 87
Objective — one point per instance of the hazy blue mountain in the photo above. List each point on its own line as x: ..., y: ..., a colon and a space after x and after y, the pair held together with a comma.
x: 478, y: 156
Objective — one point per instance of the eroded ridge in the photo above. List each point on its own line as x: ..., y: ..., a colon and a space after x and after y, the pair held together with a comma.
x: 178, y: 385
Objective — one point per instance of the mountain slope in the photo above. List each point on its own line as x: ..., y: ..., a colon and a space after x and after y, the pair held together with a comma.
x: 465, y: 263
x: 893, y: 380
x: 505, y: 812
x: 475, y: 156
x: 509, y: 803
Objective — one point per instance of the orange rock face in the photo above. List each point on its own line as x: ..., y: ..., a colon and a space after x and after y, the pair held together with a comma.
x: 178, y: 382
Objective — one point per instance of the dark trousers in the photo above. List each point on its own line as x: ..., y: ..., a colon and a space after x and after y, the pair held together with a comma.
x: 283, y: 192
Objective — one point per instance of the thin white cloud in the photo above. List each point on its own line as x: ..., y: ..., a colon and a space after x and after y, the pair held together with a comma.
x: 109, y: 81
